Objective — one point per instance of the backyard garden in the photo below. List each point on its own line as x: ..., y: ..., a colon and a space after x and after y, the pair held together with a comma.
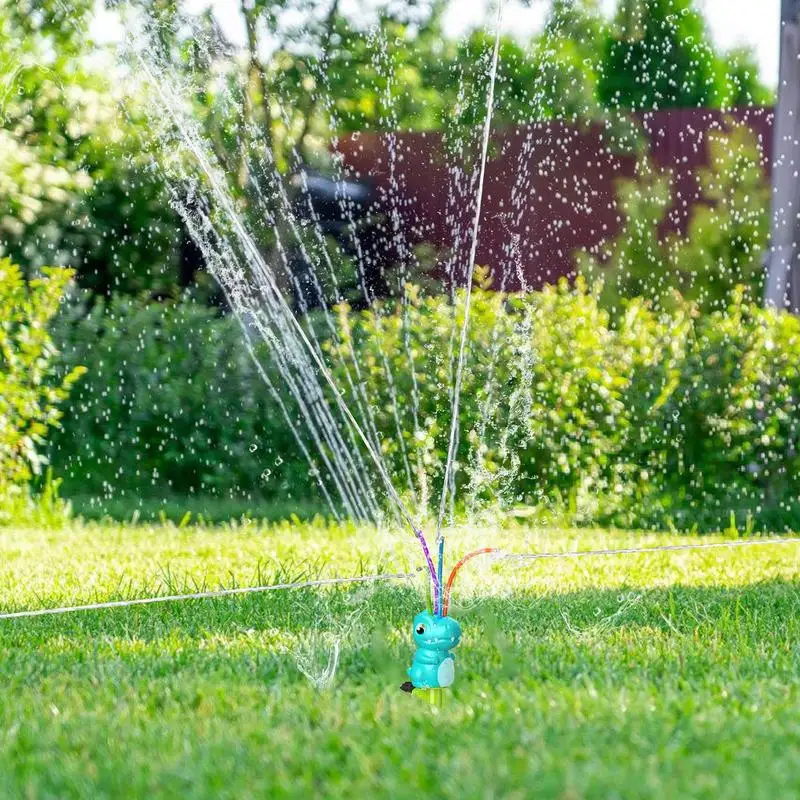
x: 304, y: 308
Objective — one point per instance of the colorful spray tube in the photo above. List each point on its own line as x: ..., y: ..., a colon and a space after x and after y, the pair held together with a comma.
x: 436, y: 635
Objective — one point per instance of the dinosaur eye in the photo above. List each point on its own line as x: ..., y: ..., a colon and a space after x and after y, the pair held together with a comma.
x: 420, y: 629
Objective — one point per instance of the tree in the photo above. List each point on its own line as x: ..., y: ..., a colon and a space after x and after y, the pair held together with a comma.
x: 722, y: 247
x: 75, y: 183
x: 310, y: 70
x: 727, y: 234
x: 633, y: 264
x: 744, y: 87
x: 568, y: 57
x: 659, y: 55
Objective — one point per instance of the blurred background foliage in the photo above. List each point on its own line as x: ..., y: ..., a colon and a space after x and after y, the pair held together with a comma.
x: 646, y: 418
x: 724, y: 243
x: 171, y: 406
x: 76, y: 187
x: 79, y: 187
x: 31, y: 389
x: 658, y: 54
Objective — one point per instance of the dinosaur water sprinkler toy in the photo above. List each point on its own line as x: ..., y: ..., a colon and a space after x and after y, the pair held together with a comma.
x: 435, y: 636
x: 434, y: 665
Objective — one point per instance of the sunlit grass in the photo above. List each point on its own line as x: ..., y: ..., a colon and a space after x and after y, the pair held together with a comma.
x: 674, y: 674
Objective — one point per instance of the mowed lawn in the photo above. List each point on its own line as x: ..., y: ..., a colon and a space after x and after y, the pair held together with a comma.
x: 637, y: 676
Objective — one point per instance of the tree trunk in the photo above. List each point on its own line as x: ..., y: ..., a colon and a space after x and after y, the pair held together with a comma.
x: 783, y: 273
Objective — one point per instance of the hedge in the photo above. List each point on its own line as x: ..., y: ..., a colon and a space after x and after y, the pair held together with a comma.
x: 668, y: 418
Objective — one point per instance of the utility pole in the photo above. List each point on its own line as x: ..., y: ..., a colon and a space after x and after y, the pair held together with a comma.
x: 783, y: 271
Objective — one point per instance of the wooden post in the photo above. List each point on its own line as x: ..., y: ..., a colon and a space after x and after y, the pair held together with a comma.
x: 782, y: 288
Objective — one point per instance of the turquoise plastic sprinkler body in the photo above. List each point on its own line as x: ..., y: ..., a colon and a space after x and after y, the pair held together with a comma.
x: 434, y: 664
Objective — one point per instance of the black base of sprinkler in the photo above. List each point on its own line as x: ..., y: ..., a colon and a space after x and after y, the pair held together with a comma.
x: 407, y: 687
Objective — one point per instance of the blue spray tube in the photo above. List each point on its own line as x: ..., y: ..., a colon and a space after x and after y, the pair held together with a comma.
x: 439, y: 572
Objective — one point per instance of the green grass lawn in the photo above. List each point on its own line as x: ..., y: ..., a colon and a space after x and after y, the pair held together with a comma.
x: 669, y: 675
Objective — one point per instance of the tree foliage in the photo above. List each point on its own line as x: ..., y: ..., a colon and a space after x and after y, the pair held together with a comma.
x: 80, y: 184
x: 31, y: 391
x: 659, y: 54
x: 722, y: 247
x: 76, y: 186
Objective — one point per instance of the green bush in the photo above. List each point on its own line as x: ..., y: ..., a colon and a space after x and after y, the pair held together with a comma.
x: 726, y: 237
x: 642, y: 418
x: 30, y: 390
x: 172, y: 406
x: 737, y: 418
x: 405, y: 355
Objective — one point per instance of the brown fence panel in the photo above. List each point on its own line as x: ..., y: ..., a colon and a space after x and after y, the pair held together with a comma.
x: 549, y: 191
